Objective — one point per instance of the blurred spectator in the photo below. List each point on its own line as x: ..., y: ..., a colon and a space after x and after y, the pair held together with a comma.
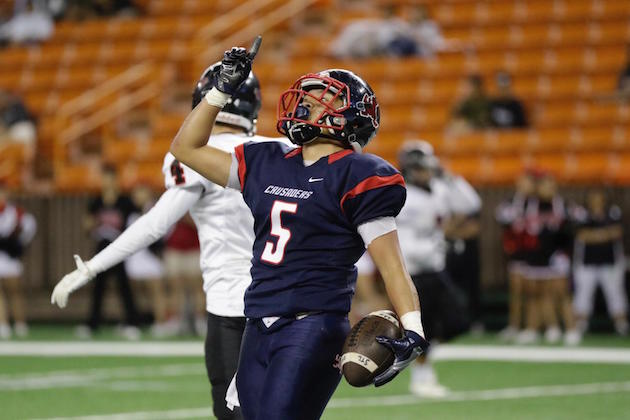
x: 365, y: 38
x: 31, y: 23
x: 16, y: 122
x: 511, y: 216
x: 427, y: 34
x: 106, y: 220
x: 181, y: 260
x: 145, y: 266
x: 546, y: 267
x: 81, y: 9
x: 391, y: 35
x: 506, y: 110
x: 17, y: 229
x: 599, y: 261
x: 473, y: 111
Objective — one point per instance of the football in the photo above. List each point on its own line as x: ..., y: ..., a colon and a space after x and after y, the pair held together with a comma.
x: 363, y: 358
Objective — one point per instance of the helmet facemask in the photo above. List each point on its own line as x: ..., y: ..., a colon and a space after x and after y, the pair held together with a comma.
x: 310, y: 94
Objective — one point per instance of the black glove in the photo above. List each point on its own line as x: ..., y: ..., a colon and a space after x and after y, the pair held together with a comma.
x: 235, y: 67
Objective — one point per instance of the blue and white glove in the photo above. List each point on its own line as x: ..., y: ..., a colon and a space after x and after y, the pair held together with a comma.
x: 235, y: 68
x: 406, y: 349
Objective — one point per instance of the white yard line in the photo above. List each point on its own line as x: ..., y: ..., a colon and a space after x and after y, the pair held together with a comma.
x: 487, y: 395
x: 185, y: 413
x: 395, y: 400
x: 87, y: 377
x: 441, y: 352
x: 100, y: 348
x: 532, y: 354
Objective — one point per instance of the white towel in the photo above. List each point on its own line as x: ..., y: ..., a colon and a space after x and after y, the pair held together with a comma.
x: 231, y: 396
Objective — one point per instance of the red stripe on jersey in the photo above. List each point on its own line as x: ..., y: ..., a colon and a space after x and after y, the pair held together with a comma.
x: 20, y: 213
x: 372, y: 183
x: 339, y: 155
x: 239, y: 152
x: 293, y: 152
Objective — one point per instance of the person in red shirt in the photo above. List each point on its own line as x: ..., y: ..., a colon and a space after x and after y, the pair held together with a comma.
x: 181, y: 261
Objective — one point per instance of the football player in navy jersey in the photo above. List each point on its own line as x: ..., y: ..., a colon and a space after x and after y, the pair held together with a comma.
x: 316, y: 208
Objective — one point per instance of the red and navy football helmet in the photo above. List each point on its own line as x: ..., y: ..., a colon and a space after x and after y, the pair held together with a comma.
x: 242, y: 108
x: 354, y: 122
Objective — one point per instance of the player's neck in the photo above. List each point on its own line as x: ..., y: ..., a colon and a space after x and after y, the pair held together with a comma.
x: 318, y: 149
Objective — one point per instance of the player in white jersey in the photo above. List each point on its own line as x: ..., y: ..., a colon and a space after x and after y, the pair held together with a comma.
x: 421, y: 225
x: 17, y: 229
x: 226, y: 234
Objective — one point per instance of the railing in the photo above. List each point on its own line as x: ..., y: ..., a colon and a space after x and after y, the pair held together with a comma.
x: 86, y: 114
x: 83, y: 114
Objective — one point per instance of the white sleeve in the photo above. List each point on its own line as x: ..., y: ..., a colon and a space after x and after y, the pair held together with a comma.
x: 463, y: 197
x: 178, y: 175
x: 28, y: 226
x: 375, y: 228
x: 233, y: 181
x: 151, y: 226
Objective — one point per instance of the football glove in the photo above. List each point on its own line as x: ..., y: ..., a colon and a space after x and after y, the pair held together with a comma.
x: 235, y: 67
x: 71, y: 282
x: 406, y: 350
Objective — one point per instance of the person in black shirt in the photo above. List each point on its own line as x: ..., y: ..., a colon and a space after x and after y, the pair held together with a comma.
x: 546, y: 268
x: 506, y: 110
x: 599, y: 260
x: 473, y: 111
x: 106, y: 219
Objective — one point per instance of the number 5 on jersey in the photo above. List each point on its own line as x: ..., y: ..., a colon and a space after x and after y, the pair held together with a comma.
x: 275, y: 254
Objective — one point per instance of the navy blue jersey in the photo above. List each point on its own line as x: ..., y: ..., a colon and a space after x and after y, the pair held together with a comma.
x: 305, y: 222
x: 602, y: 253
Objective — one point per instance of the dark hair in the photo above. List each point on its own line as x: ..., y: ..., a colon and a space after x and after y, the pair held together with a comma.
x: 475, y: 80
x: 109, y: 169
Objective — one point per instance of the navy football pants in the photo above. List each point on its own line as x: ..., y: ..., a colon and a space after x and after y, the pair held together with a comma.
x: 289, y: 372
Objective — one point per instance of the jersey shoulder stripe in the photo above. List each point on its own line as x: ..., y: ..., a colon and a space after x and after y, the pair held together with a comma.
x: 364, y: 166
x: 372, y: 183
x: 373, y: 188
x: 239, y: 152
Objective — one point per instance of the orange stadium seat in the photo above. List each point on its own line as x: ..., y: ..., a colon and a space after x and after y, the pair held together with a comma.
x: 77, y: 178
x: 167, y: 125
x: 116, y: 151
x: 564, y: 57
x: 147, y: 174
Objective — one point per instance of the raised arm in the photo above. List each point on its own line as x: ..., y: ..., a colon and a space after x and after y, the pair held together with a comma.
x: 189, y: 145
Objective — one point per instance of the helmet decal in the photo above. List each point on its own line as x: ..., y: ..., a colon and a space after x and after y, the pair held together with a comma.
x: 368, y: 107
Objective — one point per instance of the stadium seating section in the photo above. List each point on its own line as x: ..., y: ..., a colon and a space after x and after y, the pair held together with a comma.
x: 564, y: 56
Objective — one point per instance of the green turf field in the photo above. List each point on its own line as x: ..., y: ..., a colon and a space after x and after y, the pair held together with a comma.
x: 105, y: 388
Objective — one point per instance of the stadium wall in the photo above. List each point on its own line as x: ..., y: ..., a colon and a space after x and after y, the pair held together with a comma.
x: 60, y: 235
